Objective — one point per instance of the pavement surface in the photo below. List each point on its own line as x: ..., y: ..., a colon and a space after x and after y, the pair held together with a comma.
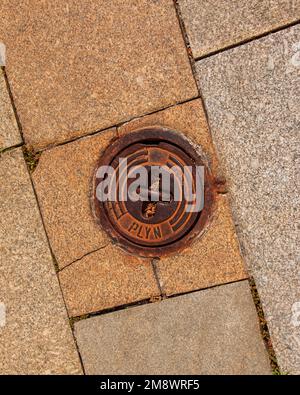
x: 192, y: 334
x: 79, y: 75
x: 252, y: 98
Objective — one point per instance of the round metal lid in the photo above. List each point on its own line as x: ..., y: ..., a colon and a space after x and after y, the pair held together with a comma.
x: 148, y: 214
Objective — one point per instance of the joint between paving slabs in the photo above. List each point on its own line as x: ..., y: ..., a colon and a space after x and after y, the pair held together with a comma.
x: 12, y: 147
x: 40, y: 150
x: 56, y: 268
x: 2, y: 68
x: 6, y: 149
x: 248, y: 40
x: 263, y: 325
x: 193, y: 60
x: 32, y: 155
x: 31, y: 158
x: 204, y: 288
x: 142, y: 302
x: 163, y: 296
x: 159, y: 284
x: 65, y: 305
x: 186, y: 41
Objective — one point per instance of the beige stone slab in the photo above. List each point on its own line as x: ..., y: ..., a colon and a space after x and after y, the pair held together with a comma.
x: 212, y: 259
x: 107, y: 278
x: 213, y: 25
x: 9, y: 132
x: 35, y: 335
x: 213, y: 331
x: 63, y: 181
x: 79, y: 67
x: 252, y: 98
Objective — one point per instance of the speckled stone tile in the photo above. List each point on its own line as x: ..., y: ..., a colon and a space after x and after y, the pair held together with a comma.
x: 212, y: 259
x: 35, y: 335
x: 107, y: 278
x: 84, y: 66
x: 215, y: 257
x: 252, y: 98
x: 212, y: 25
x: 63, y: 181
x: 213, y: 331
x: 9, y: 132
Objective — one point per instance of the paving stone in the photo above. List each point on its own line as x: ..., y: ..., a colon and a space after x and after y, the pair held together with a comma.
x: 208, y: 332
x: 63, y: 180
x: 107, y: 278
x: 9, y: 132
x: 89, y: 65
x: 212, y: 25
x: 35, y: 335
x: 252, y: 98
x: 214, y: 258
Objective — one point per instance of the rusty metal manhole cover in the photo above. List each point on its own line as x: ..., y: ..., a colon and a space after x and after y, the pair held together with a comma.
x: 153, y: 225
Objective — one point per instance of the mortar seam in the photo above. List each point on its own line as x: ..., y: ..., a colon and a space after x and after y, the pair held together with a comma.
x: 9, y: 91
x: 248, y: 40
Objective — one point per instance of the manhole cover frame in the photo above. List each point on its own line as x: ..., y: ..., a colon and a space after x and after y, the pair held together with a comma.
x: 199, y: 158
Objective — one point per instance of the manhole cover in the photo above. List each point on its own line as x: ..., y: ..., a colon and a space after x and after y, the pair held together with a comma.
x: 153, y: 192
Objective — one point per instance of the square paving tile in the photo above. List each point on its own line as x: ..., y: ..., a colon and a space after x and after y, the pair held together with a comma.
x: 214, y: 258
x: 84, y: 66
x: 9, y: 131
x: 107, y: 278
x: 62, y: 181
x: 252, y: 98
x: 213, y: 331
x: 35, y: 335
x: 213, y: 25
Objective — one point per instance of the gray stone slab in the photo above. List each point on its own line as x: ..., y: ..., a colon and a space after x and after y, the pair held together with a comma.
x: 213, y: 25
x: 35, y: 336
x: 252, y: 98
x: 9, y: 132
x: 208, y: 332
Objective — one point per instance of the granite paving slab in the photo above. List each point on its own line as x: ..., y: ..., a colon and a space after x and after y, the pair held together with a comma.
x: 35, y: 335
x: 252, y: 99
x: 9, y: 132
x: 213, y: 25
x: 213, y: 331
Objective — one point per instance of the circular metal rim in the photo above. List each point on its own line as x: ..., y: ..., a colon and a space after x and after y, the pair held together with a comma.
x: 192, y: 218
x: 173, y: 137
